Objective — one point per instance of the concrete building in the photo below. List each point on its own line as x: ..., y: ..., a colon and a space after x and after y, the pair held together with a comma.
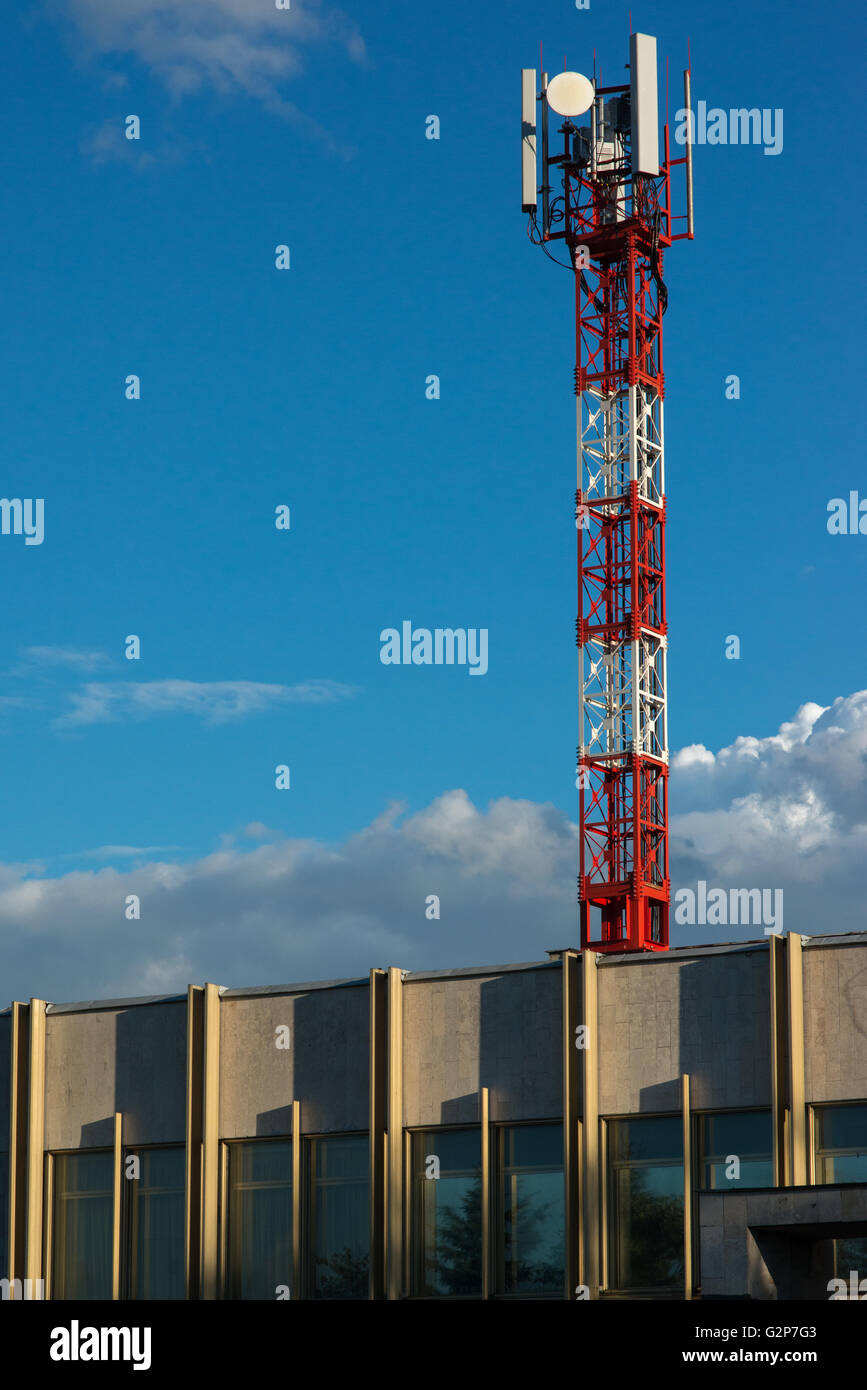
x: 676, y: 1125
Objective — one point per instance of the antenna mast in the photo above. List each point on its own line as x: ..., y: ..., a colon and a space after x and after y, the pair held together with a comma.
x: 615, y: 217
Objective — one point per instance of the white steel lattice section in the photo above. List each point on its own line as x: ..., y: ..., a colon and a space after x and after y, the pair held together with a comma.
x: 605, y: 440
x: 613, y: 453
x: 648, y: 464
x: 652, y: 725
x: 622, y: 661
x: 606, y: 696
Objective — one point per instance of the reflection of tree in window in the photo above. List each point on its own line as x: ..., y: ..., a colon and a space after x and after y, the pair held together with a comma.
x: 527, y: 1225
x: 344, y: 1274
x: 651, y: 1235
x: 849, y: 1254
x: 531, y: 1234
x: 447, y: 1214
x: 459, y: 1243
x: 646, y: 1202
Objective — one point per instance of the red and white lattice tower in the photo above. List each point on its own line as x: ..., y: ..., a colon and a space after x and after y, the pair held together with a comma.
x: 615, y: 217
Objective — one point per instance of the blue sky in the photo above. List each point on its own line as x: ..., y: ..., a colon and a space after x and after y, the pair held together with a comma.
x: 306, y: 387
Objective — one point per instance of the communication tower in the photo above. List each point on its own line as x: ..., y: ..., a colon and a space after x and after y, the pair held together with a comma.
x: 607, y: 196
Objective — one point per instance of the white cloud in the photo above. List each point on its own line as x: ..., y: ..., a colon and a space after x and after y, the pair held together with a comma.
x: 300, y: 909
x: 787, y: 810
x: 229, y: 45
x: 257, y: 830
x: 70, y: 658
x: 215, y: 702
x: 10, y: 702
x: 128, y: 851
x: 107, y: 144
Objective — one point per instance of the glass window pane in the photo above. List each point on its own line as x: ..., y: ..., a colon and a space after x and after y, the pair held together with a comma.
x: 447, y: 1213
x: 260, y: 1218
x: 531, y: 1240
x: 745, y: 1135
x: 645, y: 1140
x: 645, y: 1183
x: 841, y: 1143
x: 155, y: 1216
x: 850, y: 1254
x: 83, y: 1205
x: 339, y: 1237
x: 4, y: 1213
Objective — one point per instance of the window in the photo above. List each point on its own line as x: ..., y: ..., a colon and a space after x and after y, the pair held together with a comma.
x: 155, y: 1224
x: 447, y: 1213
x: 339, y: 1217
x: 645, y: 1195
x: 83, y: 1207
x: 746, y: 1136
x: 530, y: 1227
x: 841, y: 1156
x: 841, y: 1143
x: 4, y: 1213
x: 259, y: 1246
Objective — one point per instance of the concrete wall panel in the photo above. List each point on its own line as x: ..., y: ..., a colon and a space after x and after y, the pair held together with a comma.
x: 835, y: 1022
x: 103, y: 1060
x: 500, y: 1031
x: 709, y: 1017
x: 326, y: 1067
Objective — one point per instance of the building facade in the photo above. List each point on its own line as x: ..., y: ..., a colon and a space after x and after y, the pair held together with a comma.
x: 677, y: 1125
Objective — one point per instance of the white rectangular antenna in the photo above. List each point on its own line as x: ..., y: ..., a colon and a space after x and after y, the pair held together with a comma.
x: 687, y: 102
x: 528, y: 139
x: 645, y: 110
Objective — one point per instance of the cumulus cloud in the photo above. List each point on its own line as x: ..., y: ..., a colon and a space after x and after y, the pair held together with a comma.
x: 227, y: 45
x: 786, y: 811
x: 215, y: 702
x: 298, y: 909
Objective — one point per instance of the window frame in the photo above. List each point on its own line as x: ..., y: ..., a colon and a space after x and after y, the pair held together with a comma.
x: 49, y: 1223
x: 126, y: 1218
x: 308, y: 1193
x: 608, y: 1198
x: 698, y: 1152
x: 225, y: 1194
x: 499, y: 1128
x: 813, y: 1129
x: 412, y: 1249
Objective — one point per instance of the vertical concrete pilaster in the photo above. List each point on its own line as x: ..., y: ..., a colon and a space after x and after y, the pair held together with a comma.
x: 687, y: 1187
x: 296, y: 1200
x: 18, y: 1068
x: 209, y: 1276
x: 779, y: 1058
x: 378, y: 1095
x: 592, y: 1175
x: 193, y: 1140
x: 797, y: 1069
x: 571, y: 1123
x: 116, y: 1208
x: 33, y: 1262
x: 485, y: 1125
x: 395, y: 1234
